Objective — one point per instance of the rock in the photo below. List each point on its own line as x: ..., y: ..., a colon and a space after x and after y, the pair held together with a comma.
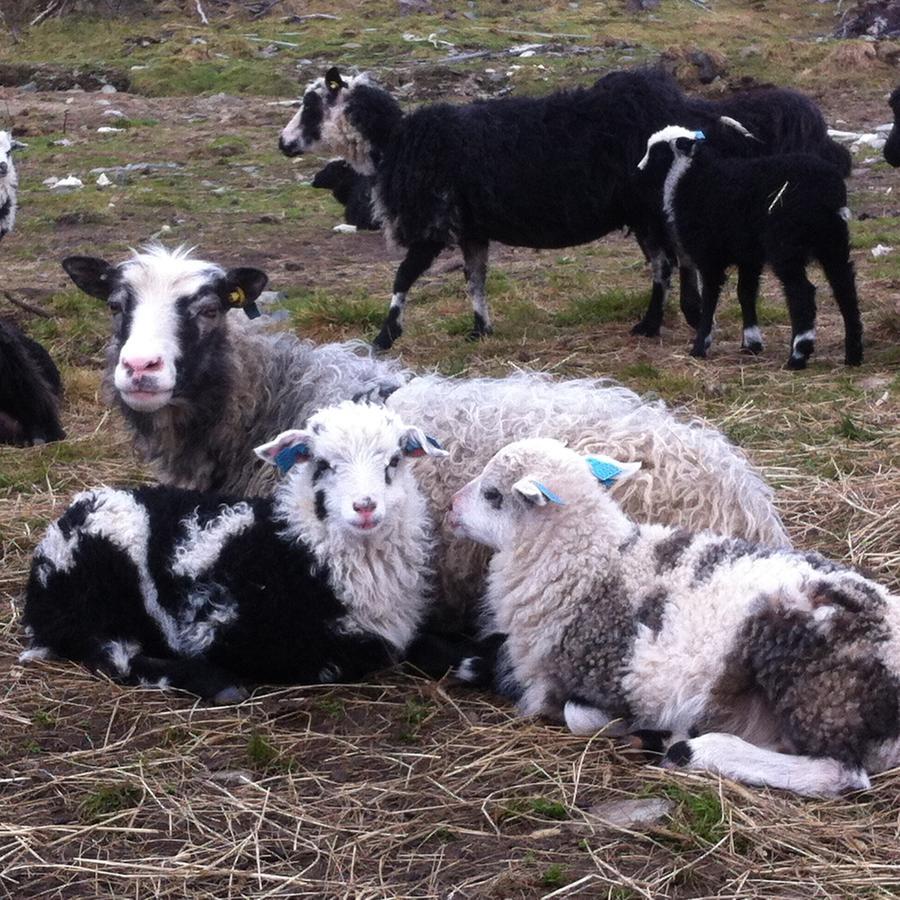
x: 67, y: 185
x: 880, y: 250
x: 103, y: 181
x: 692, y: 65
x: 108, y: 129
x: 872, y: 19
x: 115, y: 113
x: 57, y: 77
x: 343, y: 228
x: 631, y: 813
x: 62, y: 142
x: 109, y: 89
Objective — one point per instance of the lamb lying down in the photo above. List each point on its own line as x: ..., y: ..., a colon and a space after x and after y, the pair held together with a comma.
x: 327, y: 581
x: 785, y: 666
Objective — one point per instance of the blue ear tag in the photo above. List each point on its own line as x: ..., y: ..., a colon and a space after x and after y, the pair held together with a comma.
x: 286, y: 458
x: 699, y: 135
x: 603, y: 471
x: 433, y: 441
x: 413, y: 446
x: 553, y: 498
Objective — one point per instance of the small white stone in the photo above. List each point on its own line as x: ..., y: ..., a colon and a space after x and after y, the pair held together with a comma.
x: 103, y: 181
x: 108, y: 129
x: 343, y: 228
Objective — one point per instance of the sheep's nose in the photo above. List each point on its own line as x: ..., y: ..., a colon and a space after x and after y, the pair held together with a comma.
x: 366, y: 505
x: 142, y: 365
x: 4, y: 168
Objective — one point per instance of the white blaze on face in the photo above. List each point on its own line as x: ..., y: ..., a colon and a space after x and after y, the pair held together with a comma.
x: 147, y: 368
x: 668, y: 135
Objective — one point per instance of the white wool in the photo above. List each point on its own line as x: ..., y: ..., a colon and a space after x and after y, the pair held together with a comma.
x: 9, y: 185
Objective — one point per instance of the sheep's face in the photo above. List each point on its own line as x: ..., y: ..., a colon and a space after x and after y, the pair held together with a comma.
x: 354, y: 475
x: 528, y: 485
x: 168, y: 319
x: 7, y: 169
x: 321, y: 122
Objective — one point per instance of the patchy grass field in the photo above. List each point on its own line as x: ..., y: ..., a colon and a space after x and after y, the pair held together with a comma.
x: 405, y: 788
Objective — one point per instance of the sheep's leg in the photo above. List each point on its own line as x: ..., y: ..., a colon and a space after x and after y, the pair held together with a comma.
x: 582, y: 717
x: 800, y: 294
x: 712, y: 287
x: 735, y: 758
x: 689, y: 294
x: 475, y: 257
x: 193, y: 675
x: 418, y: 259
x: 748, y: 291
x: 661, y: 266
x: 842, y: 280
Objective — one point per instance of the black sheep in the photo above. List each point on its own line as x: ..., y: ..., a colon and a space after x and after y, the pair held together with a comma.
x: 535, y: 172
x: 30, y: 390
x: 352, y: 190
x: 780, y: 211
x: 892, y: 147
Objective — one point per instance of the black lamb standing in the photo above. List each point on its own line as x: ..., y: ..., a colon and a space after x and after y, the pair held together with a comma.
x: 352, y: 190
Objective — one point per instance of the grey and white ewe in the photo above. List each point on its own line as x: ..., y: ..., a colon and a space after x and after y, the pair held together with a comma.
x: 329, y: 580
x: 9, y: 182
x: 891, y: 148
x: 199, y: 388
x: 352, y: 190
x: 777, y: 211
x: 30, y: 390
x: 531, y: 172
x: 784, y: 665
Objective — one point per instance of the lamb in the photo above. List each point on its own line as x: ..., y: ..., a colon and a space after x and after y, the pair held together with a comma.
x: 328, y: 580
x: 30, y: 390
x: 199, y: 390
x: 534, y: 172
x: 352, y: 190
x: 782, y: 665
x: 779, y: 211
x: 892, y: 146
x: 9, y: 182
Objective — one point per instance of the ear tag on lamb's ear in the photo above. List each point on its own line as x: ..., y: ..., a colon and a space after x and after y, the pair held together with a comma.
x: 607, y: 470
x: 286, y: 458
x: 699, y: 136
x: 553, y: 498
x: 536, y: 492
x: 237, y: 298
x: 413, y: 446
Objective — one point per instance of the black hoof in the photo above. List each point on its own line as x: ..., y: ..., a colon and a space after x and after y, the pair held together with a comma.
x: 646, y: 329
x: 698, y: 352
x: 476, y: 335
x: 796, y: 363
x: 854, y: 356
x: 386, y: 337
x: 754, y: 348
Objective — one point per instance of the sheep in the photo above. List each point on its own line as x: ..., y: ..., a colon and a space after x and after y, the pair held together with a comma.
x: 779, y: 211
x: 536, y: 172
x: 199, y: 391
x: 9, y: 182
x: 891, y: 148
x: 352, y: 190
x: 30, y: 390
x: 784, y: 667
x: 328, y: 580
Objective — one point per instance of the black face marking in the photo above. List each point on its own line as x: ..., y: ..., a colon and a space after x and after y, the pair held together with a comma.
x: 321, y: 468
x: 321, y: 511
x: 679, y: 754
x: 493, y: 497
x: 668, y: 552
x: 5, y: 208
x: 391, y: 468
x: 311, y: 117
x: 652, y: 608
x: 725, y: 551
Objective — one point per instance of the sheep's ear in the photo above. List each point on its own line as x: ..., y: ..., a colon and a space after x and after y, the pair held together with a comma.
x: 242, y: 286
x: 288, y: 448
x: 333, y: 80
x: 608, y: 470
x: 536, y: 492
x: 92, y: 275
x: 415, y: 443
x: 18, y: 145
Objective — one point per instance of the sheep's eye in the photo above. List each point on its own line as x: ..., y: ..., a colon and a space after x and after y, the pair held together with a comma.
x: 395, y: 461
x: 321, y: 468
x: 493, y: 496
x: 114, y: 307
x: 209, y: 311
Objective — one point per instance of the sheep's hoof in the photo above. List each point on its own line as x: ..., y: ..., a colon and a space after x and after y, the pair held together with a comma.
x: 699, y: 351
x: 854, y: 356
x: 796, y: 362
x: 754, y: 348
x: 386, y: 337
x: 646, y: 329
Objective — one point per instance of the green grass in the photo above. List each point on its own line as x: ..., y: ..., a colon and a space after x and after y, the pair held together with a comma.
x: 262, y: 754
x: 108, y: 800
x: 601, y: 308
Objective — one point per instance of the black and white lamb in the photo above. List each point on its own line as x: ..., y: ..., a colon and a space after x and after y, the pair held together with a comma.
x: 9, y: 182
x: 327, y: 581
x: 541, y: 172
x: 30, y: 390
x: 891, y: 148
x: 777, y: 211
x: 352, y: 190
x: 200, y: 387
x: 783, y: 665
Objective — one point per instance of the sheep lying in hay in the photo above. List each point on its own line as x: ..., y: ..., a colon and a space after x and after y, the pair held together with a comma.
x: 9, y: 183
x: 541, y: 172
x: 352, y: 190
x: 327, y: 581
x: 780, y: 211
x: 30, y: 390
x: 199, y: 392
x: 892, y: 146
x: 785, y: 666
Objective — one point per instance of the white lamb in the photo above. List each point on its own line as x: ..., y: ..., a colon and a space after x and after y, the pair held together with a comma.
x: 9, y: 183
x: 786, y: 665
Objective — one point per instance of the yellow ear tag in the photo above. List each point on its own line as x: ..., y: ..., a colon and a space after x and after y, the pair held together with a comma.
x: 333, y: 85
x: 237, y: 297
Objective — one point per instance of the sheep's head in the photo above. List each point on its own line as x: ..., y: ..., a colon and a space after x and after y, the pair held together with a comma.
x: 322, y: 122
x: 347, y: 469
x: 8, y: 145
x: 681, y: 142
x: 527, y: 483
x: 168, y: 318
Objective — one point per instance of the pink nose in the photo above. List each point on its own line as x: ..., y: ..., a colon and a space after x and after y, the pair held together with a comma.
x: 366, y: 506
x: 143, y: 365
